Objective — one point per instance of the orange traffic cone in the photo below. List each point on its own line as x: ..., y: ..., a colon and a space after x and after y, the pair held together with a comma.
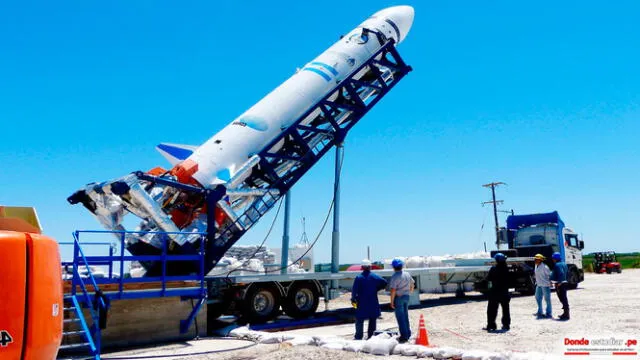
x: 423, y: 337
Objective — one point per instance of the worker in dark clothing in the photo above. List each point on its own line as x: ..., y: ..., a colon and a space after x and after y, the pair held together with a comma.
x: 498, y: 293
x: 364, y: 297
x: 559, y: 277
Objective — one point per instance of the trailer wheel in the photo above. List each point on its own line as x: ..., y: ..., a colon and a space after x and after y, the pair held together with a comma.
x: 261, y: 303
x: 529, y: 287
x: 302, y: 300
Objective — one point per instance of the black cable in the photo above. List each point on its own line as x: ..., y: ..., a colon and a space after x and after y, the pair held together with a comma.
x: 324, y: 224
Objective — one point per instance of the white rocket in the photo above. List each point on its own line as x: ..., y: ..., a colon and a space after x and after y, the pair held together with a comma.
x: 218, y: 160
x: 228, y: 157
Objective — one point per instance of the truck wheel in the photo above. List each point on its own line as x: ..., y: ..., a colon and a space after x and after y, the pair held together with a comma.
x: 302, y: 300
x: 530, y: 286
x: 619, y: 269
x: 608, y: 270
x: 261, y: 303
x: 573, y: 279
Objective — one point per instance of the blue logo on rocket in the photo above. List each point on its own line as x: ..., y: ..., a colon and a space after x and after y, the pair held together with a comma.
x: 252, y: 122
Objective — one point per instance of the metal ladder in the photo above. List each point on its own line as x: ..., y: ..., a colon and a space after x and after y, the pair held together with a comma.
x: 77, y: 336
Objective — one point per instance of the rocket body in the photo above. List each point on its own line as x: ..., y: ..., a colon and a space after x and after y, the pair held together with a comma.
x: 220, y: 157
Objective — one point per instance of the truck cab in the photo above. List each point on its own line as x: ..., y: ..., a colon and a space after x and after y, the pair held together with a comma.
x: 545, y: 234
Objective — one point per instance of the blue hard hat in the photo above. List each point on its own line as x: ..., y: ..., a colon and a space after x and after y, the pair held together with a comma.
x: 556, y: 256
x: 397, y: 263
x: 499, y: 257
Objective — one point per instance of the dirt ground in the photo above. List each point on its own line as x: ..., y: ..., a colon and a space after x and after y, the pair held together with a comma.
x: 602, y: 305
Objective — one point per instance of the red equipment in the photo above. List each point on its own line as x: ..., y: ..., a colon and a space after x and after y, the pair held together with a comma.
x: 605, y: 262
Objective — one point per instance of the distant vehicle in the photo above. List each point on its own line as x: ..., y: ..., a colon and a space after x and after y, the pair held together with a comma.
x: 606, y: 262
x: 530, y: 234
x: 358, y: 267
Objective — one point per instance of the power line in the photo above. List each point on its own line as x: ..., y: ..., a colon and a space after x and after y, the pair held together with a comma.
x: 495, y: 203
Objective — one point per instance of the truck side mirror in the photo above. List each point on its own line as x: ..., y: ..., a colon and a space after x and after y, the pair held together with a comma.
x: 581, y: 244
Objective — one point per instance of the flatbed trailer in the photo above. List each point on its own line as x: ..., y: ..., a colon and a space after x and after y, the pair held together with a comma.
x: 258, y: 297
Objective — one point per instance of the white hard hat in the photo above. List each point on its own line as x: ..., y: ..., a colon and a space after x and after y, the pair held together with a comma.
x: 366, y: 262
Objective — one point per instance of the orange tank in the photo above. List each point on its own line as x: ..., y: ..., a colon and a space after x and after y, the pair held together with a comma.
x: 31, y: 308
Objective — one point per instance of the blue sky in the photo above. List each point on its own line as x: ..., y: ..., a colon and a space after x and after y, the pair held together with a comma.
x: 544, y: 97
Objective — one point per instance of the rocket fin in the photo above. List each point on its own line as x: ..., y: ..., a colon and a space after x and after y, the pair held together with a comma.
x: 175, y: 153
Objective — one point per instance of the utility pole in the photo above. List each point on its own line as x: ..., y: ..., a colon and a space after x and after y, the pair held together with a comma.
x: 495, y: 202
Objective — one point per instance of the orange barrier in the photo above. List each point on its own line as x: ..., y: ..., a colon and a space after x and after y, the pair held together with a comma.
x: 31, y: 307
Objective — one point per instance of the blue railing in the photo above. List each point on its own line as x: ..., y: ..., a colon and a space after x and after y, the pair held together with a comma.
x: 118, y: 259
x: 84, y: 281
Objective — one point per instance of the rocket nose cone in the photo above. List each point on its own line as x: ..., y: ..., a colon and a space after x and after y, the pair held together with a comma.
x: 400, y: 17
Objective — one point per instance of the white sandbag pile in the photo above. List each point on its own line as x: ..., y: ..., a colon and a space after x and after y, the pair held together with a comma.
x: 473, y: 255
x: 251, y: 252
x: 381, y: 344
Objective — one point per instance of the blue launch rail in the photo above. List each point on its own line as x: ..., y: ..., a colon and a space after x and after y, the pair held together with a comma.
x: 322, y: 126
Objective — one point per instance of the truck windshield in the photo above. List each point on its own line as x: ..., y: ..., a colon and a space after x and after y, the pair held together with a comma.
x: 539, y: 235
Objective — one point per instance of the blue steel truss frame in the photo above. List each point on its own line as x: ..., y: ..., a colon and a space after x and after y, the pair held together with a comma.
x: 305, y: 143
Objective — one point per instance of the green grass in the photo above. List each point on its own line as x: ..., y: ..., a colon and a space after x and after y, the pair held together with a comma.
x: 626, y: 260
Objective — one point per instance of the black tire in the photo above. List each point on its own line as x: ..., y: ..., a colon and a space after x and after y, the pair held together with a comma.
x: 302, y: 300
x: 608, y: 270
x: 529, y: 287
x: 619, y: 270
x: 261, y: 304
x: 574, y: 279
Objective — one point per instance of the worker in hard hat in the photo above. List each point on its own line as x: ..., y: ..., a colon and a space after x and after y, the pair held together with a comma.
x: 364, y: 297
x: 499, y: 281
x: 401, y: 285
x: 543, y: 286
x: 559, y: 278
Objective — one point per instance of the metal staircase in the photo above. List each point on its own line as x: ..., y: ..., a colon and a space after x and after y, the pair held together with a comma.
x: 86, y: 306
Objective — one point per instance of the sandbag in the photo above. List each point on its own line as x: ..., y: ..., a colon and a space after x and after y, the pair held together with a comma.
x: 425, y: 352
x: 333, y: 346
x: 245, y: 333
x: 447, y: 353
x: 381, y: 344
x: 322, y: 340
x: 407, y: 349
x: 300, y: 340
x: 354, y: 346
